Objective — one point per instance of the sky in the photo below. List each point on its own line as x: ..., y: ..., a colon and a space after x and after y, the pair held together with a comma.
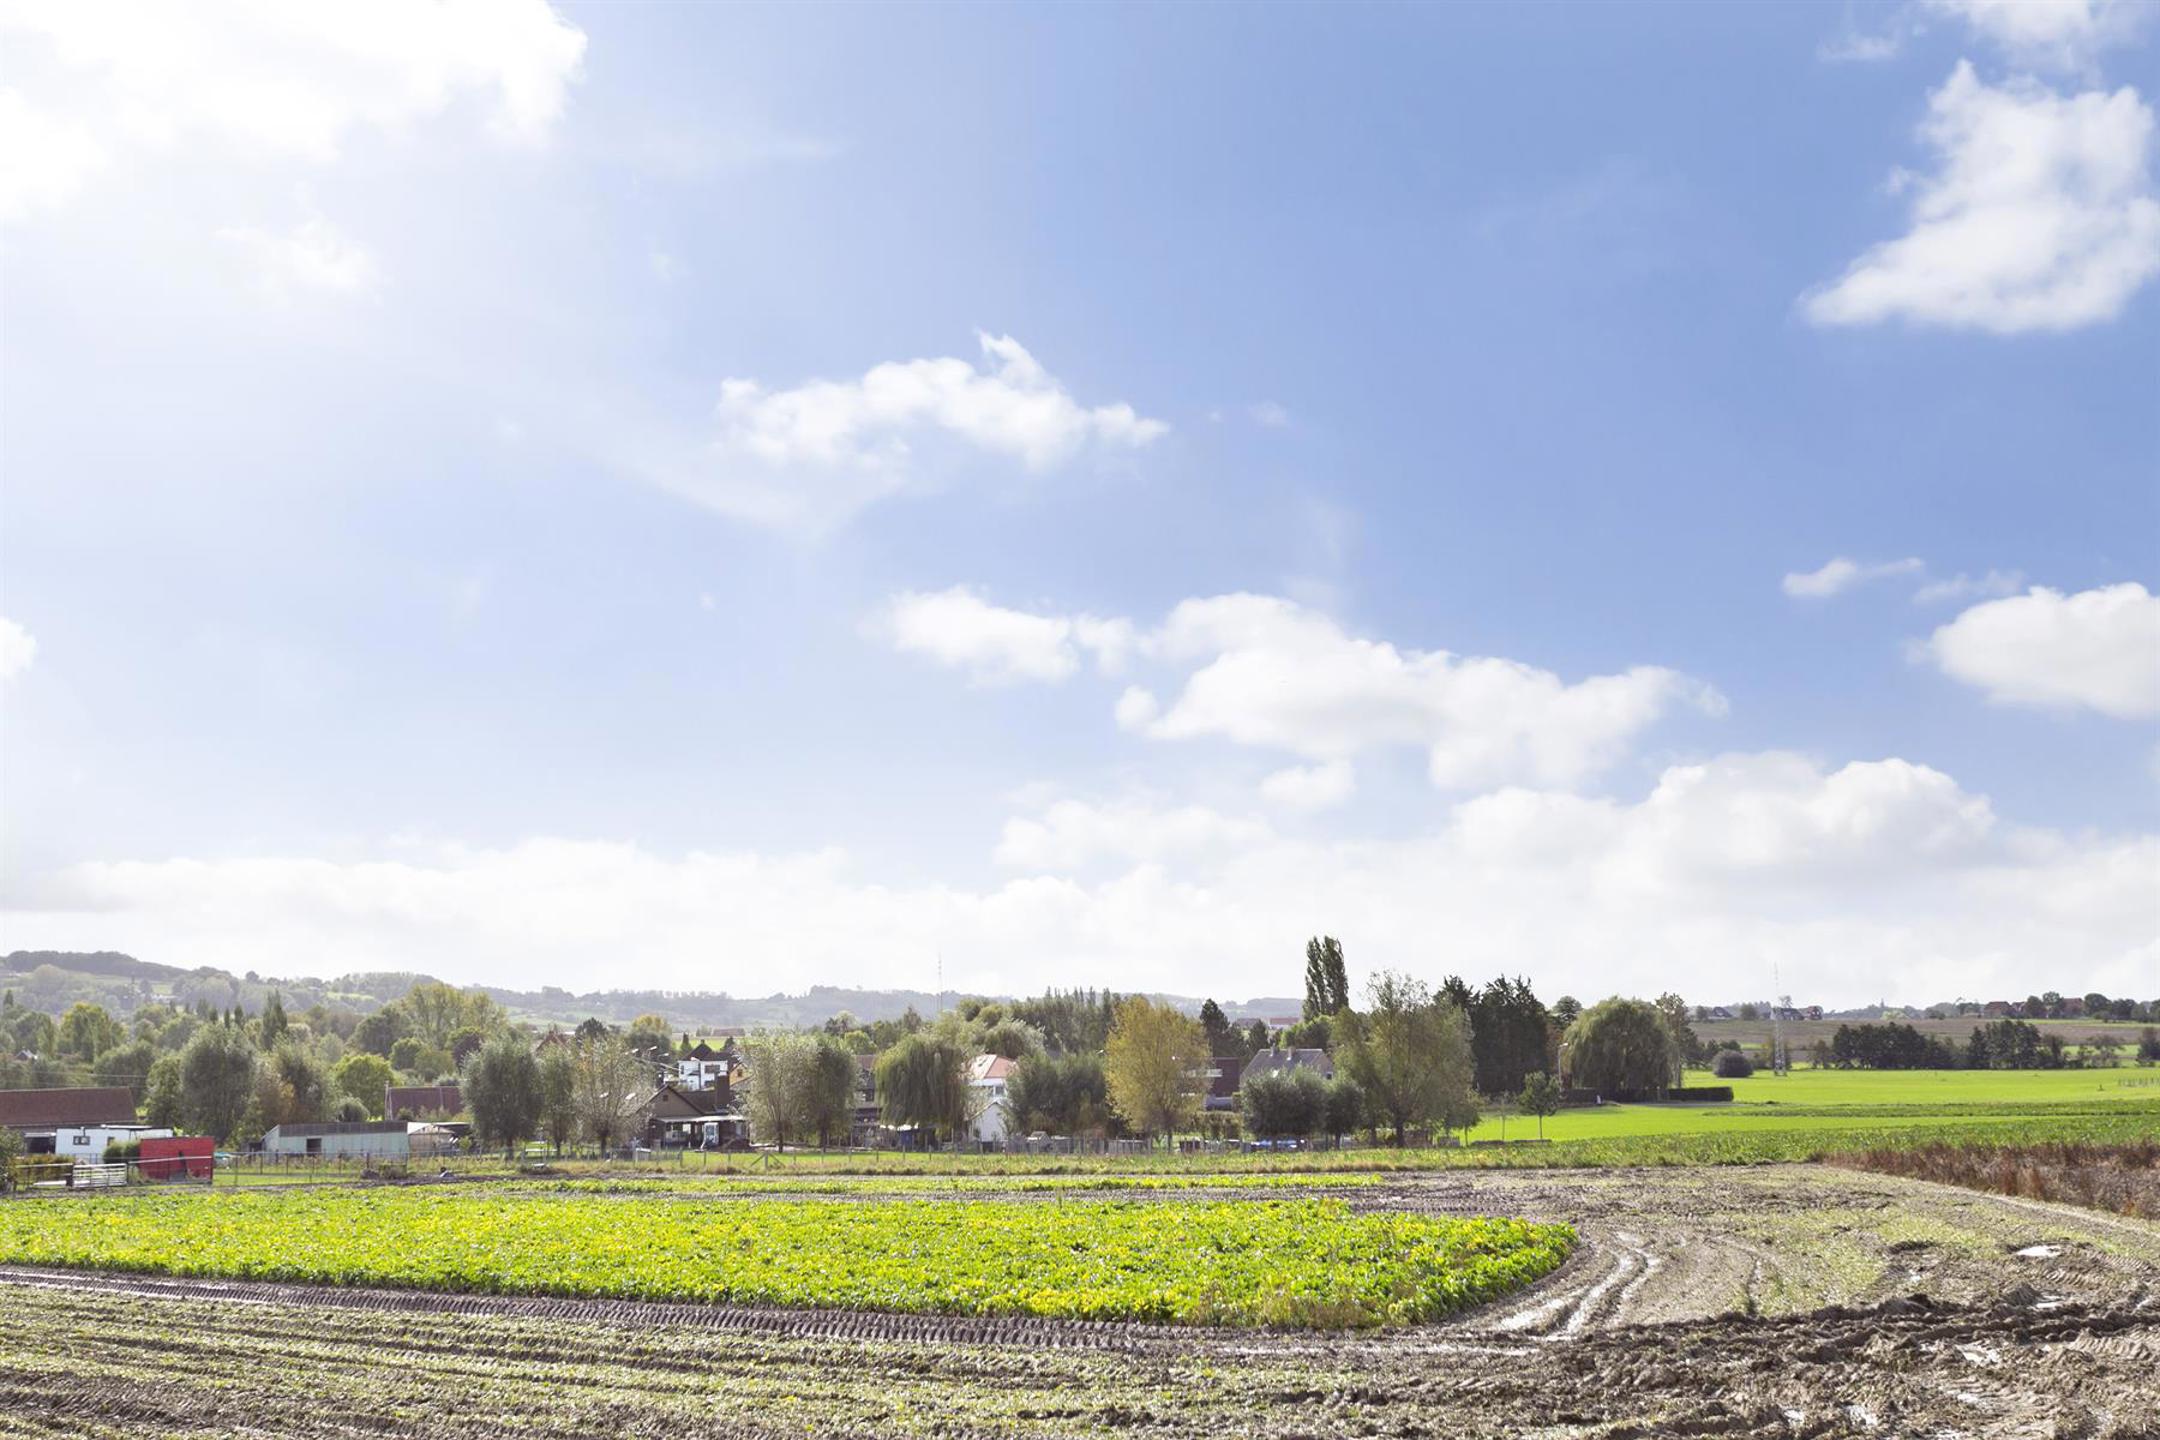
x: 1641, y: 497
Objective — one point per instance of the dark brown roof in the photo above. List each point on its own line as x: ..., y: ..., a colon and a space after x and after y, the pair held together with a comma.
x: 422, y: 1099
x: 60, y: 1109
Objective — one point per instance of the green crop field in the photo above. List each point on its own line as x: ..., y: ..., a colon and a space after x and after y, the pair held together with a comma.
x: 1296, y: 1261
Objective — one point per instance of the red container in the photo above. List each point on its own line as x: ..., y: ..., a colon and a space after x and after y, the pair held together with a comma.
x: 181, y: 1157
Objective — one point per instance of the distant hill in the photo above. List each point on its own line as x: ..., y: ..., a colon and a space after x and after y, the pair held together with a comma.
x: 52, y: 980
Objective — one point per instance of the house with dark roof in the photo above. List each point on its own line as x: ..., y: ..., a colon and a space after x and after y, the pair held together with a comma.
x: 693, y: 1117
x: 1277, y: 1061
x: 39, y: 1115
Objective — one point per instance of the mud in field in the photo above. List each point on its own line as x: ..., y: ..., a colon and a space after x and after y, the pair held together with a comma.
x: 1772, y: 1301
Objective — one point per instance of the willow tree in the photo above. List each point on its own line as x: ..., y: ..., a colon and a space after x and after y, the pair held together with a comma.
x: 922, y: 1081
x: 1620, y: 1044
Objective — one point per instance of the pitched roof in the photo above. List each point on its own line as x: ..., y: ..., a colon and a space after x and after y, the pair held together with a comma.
x: 1277, y: 1061
x: 680, y: 1102
x: 73, y: 1106
x: 991, y: 1067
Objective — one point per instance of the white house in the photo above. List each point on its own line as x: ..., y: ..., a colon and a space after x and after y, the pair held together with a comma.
x: 987, y: 1078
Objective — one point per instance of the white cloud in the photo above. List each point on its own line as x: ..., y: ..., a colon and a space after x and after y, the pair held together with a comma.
x: 1264, y: 671
x: 262, y: 79
x: 1273, y: 674
x: 2097, y: 649
x: 1310, y: 787
x: 1839, y: 575
x: 1010, y: 406
x: 2041, y: 216
x: 313, y: 257
x: 1968, y: 587
x: 1854, y: 47
x: 2051, y: 34
x: 809, y: 457
x: 1269, y: 415
x: 1074, y: 834
x: 996, y: 646
x: 17, y: 649
x: 1881, y: 878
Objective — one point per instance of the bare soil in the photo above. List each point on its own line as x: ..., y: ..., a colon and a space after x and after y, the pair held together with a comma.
x: 1776, y: 1301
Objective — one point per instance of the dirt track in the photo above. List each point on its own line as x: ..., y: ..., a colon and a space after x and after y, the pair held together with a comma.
x: 1881, y: 1307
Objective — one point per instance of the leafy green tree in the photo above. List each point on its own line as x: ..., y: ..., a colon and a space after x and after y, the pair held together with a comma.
x: 465, y: 1042
x: 304, y: 1079
x: 217, y: 1077
x: 379, y: 1033
x: 364, y: 1077
x: 164, y: 1094
x: 777, y: 1066
x: 1345, y: 1108
x: 1540, y: 1097
x: 11, y: 1149
x: 348, y: 1110
x: 86, y: 1032
x: 1510, y: 1031
x: 558, y: 1096
x: 1620, y: 1044
x: 1410, y: 1053
x: 648, y: 1036
x: 1686, y: 1048
x: 1256, y: 1038
x: 1155, y: 1063
x: 500, y: 1084
x: 612, y: 1088
x: 922, y: 1081
x: 833, y: 1082
x: 1059, y: 1094
x: 1286, y: 1104
x: 1222, y: 1037
x: 127, y: 1065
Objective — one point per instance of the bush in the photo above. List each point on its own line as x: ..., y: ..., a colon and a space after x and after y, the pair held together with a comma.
x: 1732, y: 1065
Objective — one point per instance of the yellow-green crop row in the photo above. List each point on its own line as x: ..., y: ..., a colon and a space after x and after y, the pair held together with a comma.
x: 1252, y: 1262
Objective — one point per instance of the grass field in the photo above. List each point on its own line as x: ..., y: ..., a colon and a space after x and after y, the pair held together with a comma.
x: 1800, y: 1034
x: 1298, y: 1261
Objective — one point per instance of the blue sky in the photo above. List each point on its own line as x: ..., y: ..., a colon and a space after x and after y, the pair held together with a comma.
x: 735, y: 497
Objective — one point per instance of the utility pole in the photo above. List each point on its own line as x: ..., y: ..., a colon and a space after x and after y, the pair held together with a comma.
x: 1779, y: 1060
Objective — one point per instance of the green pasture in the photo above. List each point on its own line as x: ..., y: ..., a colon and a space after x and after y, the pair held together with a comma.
x: 1809, y: 1099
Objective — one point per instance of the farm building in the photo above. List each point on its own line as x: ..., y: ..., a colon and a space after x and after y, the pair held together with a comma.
x: 378, y: 1139
x: 421, y: 1102
x: 40, y: 1116
x: 1275, y: 1061
x: 987, y: 1078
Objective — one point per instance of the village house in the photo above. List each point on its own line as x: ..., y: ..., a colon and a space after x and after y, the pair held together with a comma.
x: 705, y: 1067
x: 695, y: 1117
x: 987, y: 1078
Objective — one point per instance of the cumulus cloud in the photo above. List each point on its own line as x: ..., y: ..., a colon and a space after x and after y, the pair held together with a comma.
x: 313, y: 257
x: 1873, y: 878
x: 1268, y: 672
x: 996, y: 646
x: 2040, y: 215
x: 2048, y: 34
x: 2097, y: 649
x: 259, y: 79
x: 1836, y: 576
x: 17, y: 649
x: 1263, y: 671
x: 811, y: 456
x: 1008, y: 406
